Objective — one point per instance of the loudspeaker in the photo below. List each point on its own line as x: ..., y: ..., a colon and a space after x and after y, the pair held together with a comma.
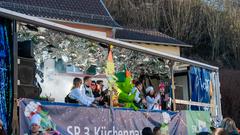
x: 28, y: 91
x: 26, y: 70
x: 25, y: 49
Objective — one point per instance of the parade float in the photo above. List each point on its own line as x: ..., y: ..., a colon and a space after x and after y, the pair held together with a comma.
x: 195, y: 108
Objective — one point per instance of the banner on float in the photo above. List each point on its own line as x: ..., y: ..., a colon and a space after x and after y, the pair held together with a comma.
x: 200, y: 84
x: 198, y: 121
x: 68, y: 119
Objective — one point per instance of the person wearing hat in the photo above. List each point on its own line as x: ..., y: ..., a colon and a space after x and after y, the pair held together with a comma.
x: 153, y: 99
x: 35, y: 125
x: 165, y: 99
x: 150, y: 98
x: 161, y: 87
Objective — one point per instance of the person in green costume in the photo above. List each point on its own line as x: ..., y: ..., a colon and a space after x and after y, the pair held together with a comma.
x: 125, y: 88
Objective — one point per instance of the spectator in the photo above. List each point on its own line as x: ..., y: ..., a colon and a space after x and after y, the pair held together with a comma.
x: 229, y: 126
x: 219, y: 131
x: 83, y: 94
x: 147, y: 131
x: 157, y: 130
x: 2, y: 131
x: 139, y: 99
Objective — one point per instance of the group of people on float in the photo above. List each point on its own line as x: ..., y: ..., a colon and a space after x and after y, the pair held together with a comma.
x: 92, y: 93
x: 150, y: 98
x: 88, y: 92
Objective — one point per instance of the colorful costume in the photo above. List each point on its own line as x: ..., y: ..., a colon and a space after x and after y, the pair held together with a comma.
x: 121, y: 82
x: 125, y: 87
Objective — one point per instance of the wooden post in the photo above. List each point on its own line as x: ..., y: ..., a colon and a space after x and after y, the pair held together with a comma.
x: 111, y: 96
x: 212, y: 105
x: 15, y: 123
x: 171, y: 65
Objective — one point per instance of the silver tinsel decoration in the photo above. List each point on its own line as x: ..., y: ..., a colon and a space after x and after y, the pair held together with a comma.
x: 83, y: 53
x: 137, y: 62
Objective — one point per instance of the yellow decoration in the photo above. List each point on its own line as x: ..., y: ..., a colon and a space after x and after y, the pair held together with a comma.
x: 109, y: 70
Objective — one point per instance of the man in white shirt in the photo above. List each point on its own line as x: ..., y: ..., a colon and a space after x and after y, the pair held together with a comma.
x: 83, y: 93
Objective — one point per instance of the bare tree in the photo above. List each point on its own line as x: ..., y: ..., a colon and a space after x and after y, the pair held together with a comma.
x: 212, y: 26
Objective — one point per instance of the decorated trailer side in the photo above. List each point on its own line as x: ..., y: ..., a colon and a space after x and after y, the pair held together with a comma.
x: 203, y: 103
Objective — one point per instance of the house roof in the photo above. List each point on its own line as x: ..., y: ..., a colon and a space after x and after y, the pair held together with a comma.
x: 79, y: 11
x: 148, y: 36
x: 91, y: 12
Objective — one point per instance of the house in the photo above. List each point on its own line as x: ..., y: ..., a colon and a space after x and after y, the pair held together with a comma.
x: 88, y: 15
x: 93, y: 16
x: 151, y: 39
